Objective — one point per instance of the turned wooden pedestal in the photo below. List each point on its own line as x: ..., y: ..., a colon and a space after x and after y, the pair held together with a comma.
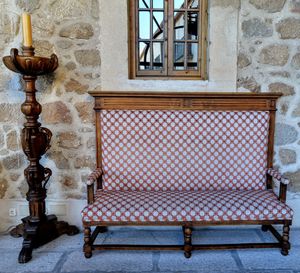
x: 38, y: 228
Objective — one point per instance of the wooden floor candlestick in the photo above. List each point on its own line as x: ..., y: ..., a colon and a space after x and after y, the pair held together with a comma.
x: 37, y: 228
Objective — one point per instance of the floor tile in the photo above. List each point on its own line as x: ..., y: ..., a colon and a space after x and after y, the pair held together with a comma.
x: 270, y: 259
x: 41, y: 262
x: 109, y: 261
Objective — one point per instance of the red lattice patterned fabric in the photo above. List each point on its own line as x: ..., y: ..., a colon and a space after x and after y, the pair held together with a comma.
x: 184, y: 150
x: 181, y: 206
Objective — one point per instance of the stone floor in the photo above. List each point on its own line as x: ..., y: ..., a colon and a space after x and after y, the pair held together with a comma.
x: 65, y: 255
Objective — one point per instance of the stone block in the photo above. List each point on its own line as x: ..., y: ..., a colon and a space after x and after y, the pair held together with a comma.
x: 85, y: 162
x: 66, y: 9
x: 233, y: 235
x: 283, y: 74
x: 79, y: 30
x: 270, y: 6
x: 285, y: 134
x: 249, y: 83
x: 67, y: 243
x: 296, y: 112
x: 279, y: 87
x: 294, y: 178
x: 55, y: 113
x: 40, y: 262
x: 3, y: 187
x: 9, y: 26
x: 270, y: 259
x: 91, y: 143
x: 95, y: 9
x: 296, y: 61
x: 85, y: 111
x: 14, y: 161
x: 64, y: 44
x: 289, y: 28
x: 257, y: 27
x: 28, y: 6
x: 12, y: 141
x: 88, y: 57
x: 226, y: 3
x: 10, y: 112
x: 201, y: 261
x: 59, y: 159
x: 9, y: 243
x: 131, y: 236
x: 276, y: 55
x: 43, y: 48
x: 75, y: 86
x: 287, y: 156
x: 2, y: 142
x: 243, y: 60
x: 283, y: 107
x: 67, y: 182
x: 42, y: 27
x: 71, y: 66
x: 295, y: 237
x: 68, y: 140
x: 295, y: 6
x: 109, y: 261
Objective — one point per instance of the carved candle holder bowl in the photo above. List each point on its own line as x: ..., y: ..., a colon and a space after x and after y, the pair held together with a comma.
x: 29, y: 64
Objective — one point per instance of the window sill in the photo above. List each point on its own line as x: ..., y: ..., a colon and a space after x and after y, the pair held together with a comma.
x: 168, y: 78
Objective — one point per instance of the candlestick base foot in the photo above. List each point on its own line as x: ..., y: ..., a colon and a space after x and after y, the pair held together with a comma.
x: 25, y: 255
x: 40, y: 233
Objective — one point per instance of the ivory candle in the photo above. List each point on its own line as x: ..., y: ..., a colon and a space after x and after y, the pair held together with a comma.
x: 27, y: 31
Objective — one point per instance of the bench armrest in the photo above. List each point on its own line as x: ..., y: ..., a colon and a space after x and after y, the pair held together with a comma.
x: 283, y: 183
x: 278, y: 176
x: 94, y: 176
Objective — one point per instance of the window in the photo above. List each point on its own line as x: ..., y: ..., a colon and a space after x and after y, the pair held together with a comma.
x: 168, y: 38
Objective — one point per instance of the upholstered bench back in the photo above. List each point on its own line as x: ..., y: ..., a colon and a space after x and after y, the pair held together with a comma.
x: 183, y: 149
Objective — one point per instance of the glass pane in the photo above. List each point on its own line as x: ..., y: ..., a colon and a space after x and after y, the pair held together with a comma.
x: 143, y: 4
x: 179, y: 4
x: 179, y: 56
x: 158, y: 4
x: 144, y: 55
x: 193, y: 26
x: 144, y: 24
x: 158, y: 56
x: 192, y: 56
x: 179, y: 20
x: 158, y: 25
x: 193, y: 4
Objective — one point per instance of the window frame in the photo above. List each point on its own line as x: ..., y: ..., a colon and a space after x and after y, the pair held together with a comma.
x: 168, y: 72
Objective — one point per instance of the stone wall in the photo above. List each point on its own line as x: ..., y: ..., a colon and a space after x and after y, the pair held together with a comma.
x: 268, y: 60
x: 71, y: 30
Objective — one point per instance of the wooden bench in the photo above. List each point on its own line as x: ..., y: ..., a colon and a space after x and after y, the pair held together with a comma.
x: 185, y: 159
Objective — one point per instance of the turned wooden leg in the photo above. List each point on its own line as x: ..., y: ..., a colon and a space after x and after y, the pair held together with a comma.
x: 285, y: 240
x: 187, y: 231
x: 87, y: 248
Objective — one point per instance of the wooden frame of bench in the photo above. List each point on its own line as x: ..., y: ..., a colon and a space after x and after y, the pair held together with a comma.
x: 187, y: 101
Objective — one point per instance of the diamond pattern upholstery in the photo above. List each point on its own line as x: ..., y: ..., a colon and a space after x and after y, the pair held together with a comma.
x: 184, y: 150
x: 182, y: 206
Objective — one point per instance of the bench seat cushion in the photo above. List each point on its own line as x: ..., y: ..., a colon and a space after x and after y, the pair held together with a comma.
x: 180, y: 206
